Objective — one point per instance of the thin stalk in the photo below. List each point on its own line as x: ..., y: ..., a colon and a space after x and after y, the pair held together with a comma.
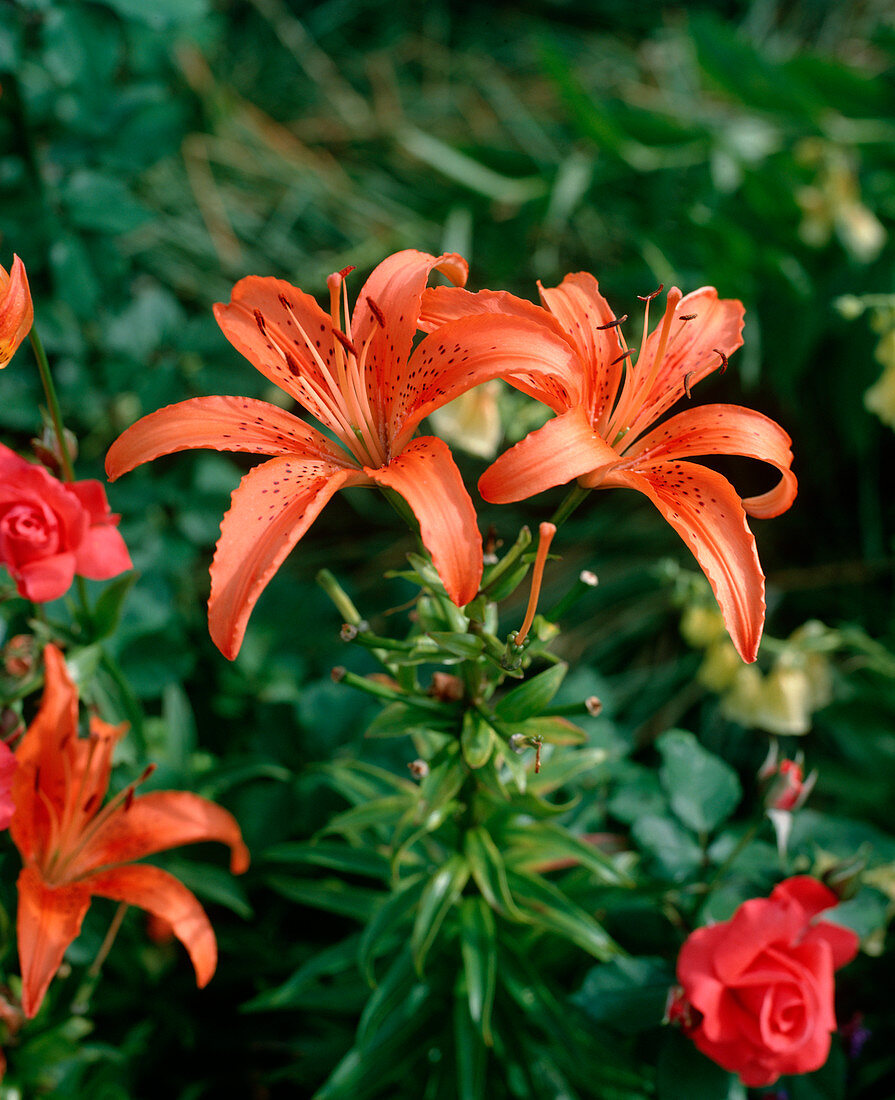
x: 81, y: 1000
x: 46, y: 379
x: 574, y: 497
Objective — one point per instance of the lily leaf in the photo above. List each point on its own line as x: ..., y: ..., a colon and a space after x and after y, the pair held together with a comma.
x: 439, y: 896
x: 530, y: 697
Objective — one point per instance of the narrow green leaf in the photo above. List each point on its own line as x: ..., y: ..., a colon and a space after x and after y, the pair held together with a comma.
x: 466, y: 646
x: 538, y: 844
x: 380, y: 813
x: 471, y: 1053
x: 563, y: 767
x: 388, y: 922
x: 489, y: 872
x: 338, y: 857
x: 477, y: 740
x: 338, y: 959
x: 546, y: 906
x: 438, y: 898
x: 479, y: 950
x: 107, y: 612
x: 401, y: 719
x: 330, y: 894
x: 552, y: 729
x: 530, y: 697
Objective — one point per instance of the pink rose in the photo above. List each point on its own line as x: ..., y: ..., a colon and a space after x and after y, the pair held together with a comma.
x: 49, y: 530
x: 8, y: 765
x: 761, y: 983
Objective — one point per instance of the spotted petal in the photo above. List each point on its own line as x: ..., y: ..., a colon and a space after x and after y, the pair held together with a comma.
x: 463, y: 353
x: 215, y: 423
x: 426, y: 476
x: 725, y: 430
x: 285, y: 334
x: 565, y: 448
x: 691, y: 352
x: 270, y: 510
x: 396, y: 287
x: 584, y: 313
x: 705, y: 510
x: 156, y: 822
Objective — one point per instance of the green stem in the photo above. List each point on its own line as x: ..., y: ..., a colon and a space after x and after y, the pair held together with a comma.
x: 46, y: 379
x: 81, y: 1001
x: 575, y: 496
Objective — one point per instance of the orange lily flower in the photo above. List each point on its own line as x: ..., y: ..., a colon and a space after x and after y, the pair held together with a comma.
x: 369, y: 387
x: 16, y: 309
x: 600, y: 434
x: 73, y: 849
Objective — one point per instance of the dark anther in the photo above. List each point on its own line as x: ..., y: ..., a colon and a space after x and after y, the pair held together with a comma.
x: 688, y: 316
x: 345, y: 342
x: 346, y: 270
x: 723, y: 359
x: 687, y: 378
x: 377, y: 312
x: 630, y: 351
x: 291, y: 364
x: 613, y: 324
x: 655, y: 294
x: 284, y: 302
x: 259, y: 320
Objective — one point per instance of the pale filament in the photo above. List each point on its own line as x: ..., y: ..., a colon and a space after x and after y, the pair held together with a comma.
x: 637, y: 383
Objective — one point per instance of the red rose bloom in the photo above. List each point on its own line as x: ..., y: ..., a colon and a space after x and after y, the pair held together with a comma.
x: 762, y: 983
x: 49, y: 531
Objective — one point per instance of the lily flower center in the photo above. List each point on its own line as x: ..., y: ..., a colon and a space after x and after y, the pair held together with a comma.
x: 76, y: 822
x: 640, y: 378
x: 339, y: 398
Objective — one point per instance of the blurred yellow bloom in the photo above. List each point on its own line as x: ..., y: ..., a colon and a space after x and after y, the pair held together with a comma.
x: 16, y: 309
x: 880, y: 398
x: 472, y: 421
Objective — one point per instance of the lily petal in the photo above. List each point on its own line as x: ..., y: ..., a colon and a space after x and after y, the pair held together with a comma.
x: 441, y: 304
x: 396, y: 287
x: 426, y: 476
x: 463, y: 353
x: 705, y: 510
x: 691, y: 352
x: 163, y: 895
x: 565, y: 448
x: 725, y: 430
x: 270, y: 510
x: 262, y: 322
x: 39, y: 754
x: 582, y: 311
x: 219, y: 424
x: 156, y: 822
x: 49, y: 919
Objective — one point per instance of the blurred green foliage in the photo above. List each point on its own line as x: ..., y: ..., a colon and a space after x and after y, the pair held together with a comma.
x: 155, y: 151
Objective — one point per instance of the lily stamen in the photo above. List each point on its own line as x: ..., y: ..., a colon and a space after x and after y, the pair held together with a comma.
x: 546, y: 531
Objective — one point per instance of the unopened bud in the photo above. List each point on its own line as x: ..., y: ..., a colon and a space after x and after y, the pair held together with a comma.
x: 518, y: 742
x: 19, y: 655
x: 446, y: 688
x: 679, y: 1012
x: 348, y: 632
x: 419, y: 769
x: 338, y: 674
x: 593, y: 705
x: 47, y: 451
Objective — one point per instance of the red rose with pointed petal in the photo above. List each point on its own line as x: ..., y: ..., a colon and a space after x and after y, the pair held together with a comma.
x: 51, y: 530
x: 761, y: 983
